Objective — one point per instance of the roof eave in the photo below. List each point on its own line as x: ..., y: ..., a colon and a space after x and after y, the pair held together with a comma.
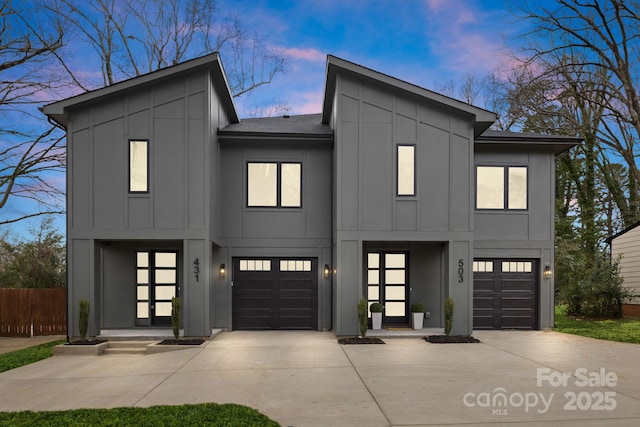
x: 559, y: 145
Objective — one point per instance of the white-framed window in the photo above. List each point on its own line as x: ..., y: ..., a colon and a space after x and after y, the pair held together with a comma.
x: 255, y: 265
x: 138, y: 166
x: 501, y: 187
x: 483, y: 266
x: 272, y: 184
x: 295, y: 265
x: 517, y: 266
x: 406, y: 170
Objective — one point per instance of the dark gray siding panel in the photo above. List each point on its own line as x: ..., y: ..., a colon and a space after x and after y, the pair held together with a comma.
x: 432, y: 155
x: 81, y: 161
x: 197, y: 175
x: 376, y: 171
x: 109, y: 175
x: 406, y: 215
x: 139, y: 212
x: 232, y: 191
x: 460, y: 173
x: 168, y: 173
x: 118, y: 289
x: 348, y: 182
x: 139, y: 125
x: 80, y: 274
x: 318, y: 209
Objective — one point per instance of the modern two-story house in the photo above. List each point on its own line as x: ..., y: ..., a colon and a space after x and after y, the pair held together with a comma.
x: 393, y: 193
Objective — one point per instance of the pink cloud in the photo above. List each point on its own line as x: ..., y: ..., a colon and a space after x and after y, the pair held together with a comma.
x: 306, y: 102
x: 310, y: 54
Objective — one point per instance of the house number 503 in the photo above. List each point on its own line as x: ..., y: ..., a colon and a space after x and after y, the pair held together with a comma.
x: 460, y: 270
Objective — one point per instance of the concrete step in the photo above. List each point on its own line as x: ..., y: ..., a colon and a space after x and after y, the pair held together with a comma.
x: 125, y: 350
x: 130, y: 344
x: 127, y: 347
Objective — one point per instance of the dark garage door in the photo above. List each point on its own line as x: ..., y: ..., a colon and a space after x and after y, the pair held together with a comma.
x: 275, y: 293
x: 504, y: 294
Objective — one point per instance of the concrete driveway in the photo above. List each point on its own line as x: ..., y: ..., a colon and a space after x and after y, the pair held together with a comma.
x: 307, y: 379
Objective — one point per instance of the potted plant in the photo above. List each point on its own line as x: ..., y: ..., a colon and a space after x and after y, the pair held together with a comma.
x: 417, y: 315
x: 376, y: 315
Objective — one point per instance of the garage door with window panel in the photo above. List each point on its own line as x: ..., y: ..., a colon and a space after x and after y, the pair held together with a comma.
x: 505, y: 294
x: 275, y: 293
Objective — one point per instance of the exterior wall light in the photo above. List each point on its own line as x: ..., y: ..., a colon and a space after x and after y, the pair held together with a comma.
x: 223, y: 271
x: 548, y: 273
x: 327, y: 271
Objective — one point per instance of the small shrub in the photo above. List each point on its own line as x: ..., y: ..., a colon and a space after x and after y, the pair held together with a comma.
x: 176, y: 306
x: 448, y: 315
x: 376, y: 307
x: 362, y: 316
x: 84, y: 307
x: 417, y: 307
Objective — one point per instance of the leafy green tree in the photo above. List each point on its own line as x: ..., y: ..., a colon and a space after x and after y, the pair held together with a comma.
x: 36, y: 263
x: 595, y: 288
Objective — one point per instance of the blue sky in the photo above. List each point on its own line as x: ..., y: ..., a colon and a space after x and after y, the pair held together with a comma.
x: 426, y: 42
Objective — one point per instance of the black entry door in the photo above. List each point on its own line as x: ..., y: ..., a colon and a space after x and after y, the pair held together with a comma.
x: 275, y: 293
x: 388, y: 284
x: 156, y: 284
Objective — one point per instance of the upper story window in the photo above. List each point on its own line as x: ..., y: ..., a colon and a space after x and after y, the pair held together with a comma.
x: 274, y: 185
x: 406, y: 167
x: 138, y: 166
x: 501, y: 187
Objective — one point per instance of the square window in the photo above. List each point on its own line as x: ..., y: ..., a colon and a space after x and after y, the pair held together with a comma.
x: 274, y: 185
x: 138, y: 166
x: 500, y: 187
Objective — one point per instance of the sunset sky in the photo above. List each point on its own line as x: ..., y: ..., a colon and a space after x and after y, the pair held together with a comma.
x: 426, y: 42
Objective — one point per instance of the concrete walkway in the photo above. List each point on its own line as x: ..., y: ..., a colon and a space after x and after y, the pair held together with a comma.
x: 307, y: 379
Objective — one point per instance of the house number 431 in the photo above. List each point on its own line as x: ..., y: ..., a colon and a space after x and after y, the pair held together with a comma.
x: 460, y: 270
x: 196, y: 269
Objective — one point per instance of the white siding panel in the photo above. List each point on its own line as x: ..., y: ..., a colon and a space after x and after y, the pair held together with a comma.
x: 627, y: 246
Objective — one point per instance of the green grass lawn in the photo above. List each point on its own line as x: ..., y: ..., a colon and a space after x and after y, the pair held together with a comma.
x: 206, y: 414
x: 18, y: 358
x: 622, y: 330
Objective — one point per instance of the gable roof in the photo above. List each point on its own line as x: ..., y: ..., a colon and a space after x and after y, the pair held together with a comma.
x: 58, y: 111
x: 556, y: 143
x: 482, y: 118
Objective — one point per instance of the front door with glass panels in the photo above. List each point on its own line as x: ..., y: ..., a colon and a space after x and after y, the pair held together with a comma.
x: 156, y: 284
x: 388, y: 284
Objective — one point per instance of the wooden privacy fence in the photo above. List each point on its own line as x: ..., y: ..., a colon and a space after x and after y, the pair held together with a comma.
x: 33, y: 312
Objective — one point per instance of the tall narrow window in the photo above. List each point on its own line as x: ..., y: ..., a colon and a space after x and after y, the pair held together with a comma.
x: 490, y: 187
x: 517, y: 188
x: 406, y: 170
x: 290, y: 185
x: 138, y: 166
